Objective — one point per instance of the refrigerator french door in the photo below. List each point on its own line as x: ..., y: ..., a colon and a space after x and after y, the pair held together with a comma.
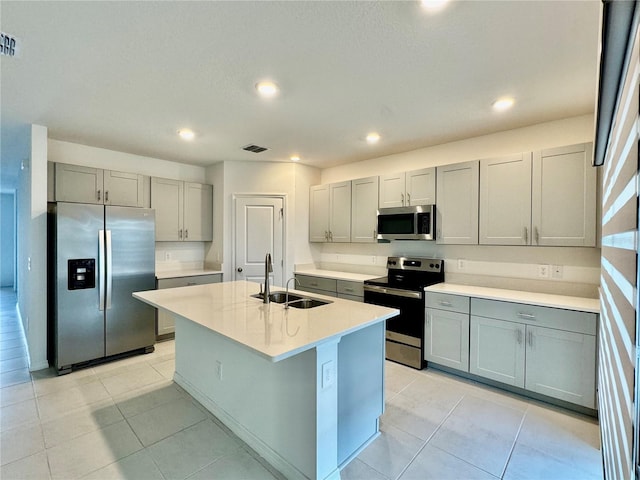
x: 100, y: 256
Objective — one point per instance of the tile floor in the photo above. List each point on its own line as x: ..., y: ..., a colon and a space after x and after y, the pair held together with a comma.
x: 128, y: 420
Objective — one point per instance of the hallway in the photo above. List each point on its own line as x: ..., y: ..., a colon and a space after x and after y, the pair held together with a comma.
x: 14, y: 363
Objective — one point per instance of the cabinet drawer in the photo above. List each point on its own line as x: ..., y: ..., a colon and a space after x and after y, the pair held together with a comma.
x: 355, y: 298
x: 350, y: 288
x: 446, y: 301
x: 317, y: 283
x: 568, y: 320
x: 188, y: 281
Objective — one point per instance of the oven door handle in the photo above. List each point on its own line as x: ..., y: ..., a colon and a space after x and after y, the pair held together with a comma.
x: 392, y: 291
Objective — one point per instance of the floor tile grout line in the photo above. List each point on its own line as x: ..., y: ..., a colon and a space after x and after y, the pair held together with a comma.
x: 429, y: 438
x: 515, y: 441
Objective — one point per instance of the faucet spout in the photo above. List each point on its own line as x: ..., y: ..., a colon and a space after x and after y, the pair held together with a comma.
x: 286, y: 298
x: 268, y: 268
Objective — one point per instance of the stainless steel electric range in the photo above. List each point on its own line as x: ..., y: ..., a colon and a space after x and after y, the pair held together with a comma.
x: 403, y: 288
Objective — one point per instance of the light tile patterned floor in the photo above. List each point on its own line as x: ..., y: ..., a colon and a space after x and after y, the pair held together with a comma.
x: 128, y: 420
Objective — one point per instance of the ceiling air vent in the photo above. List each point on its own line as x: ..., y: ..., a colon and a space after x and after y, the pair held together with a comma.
x: 254, y: 148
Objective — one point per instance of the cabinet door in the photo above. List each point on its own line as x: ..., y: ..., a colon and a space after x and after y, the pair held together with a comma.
x: 420, y: 187
x: 447, y: 338
x: 457, y: 208
x: 564, y: 197
x: 364, y: 207
x: 561, y: 365
x: 505, y: 200
x: 340, y: 212
x: 497, y: 350
x: 198, y: 212
x: 167, y: 200
x: 319, y: 213
x: 79, y: 184
x: 123, y: 189
x: 392, y: 190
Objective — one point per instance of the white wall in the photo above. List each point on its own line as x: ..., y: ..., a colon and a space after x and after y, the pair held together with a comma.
x: 499, y: 266
x: 544, y: 135
x: 7, y: 239
x: 291, y: 180
x: 32, y: 248
x: 76, y: 154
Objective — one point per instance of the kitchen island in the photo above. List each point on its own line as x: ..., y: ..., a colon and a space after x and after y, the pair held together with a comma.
x: 302, y: 387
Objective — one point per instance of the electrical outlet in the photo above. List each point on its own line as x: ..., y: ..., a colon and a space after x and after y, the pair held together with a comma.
x: 219, y: 369
x: 328, y: 374
x: 556, y: 271
x: 543, y: 271
x: 167, y: 256
x: 462, y: 264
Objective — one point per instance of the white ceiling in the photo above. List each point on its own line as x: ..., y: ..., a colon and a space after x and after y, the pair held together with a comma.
x: 126, y: 75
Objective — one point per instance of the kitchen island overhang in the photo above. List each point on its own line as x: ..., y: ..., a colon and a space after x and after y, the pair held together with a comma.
x: 303, y: 387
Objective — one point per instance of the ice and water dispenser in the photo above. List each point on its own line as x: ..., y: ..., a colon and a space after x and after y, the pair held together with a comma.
x: 82, y: 273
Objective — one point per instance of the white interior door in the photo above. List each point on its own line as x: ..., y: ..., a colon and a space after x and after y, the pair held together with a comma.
x: 259, y: 229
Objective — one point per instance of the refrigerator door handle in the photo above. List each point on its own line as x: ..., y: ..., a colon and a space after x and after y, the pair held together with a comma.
x: 109, y: 264
x: 101, y: 268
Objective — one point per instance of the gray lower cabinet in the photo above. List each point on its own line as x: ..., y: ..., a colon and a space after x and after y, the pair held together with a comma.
x: 447, y: 330
x: 165, y: 324
x: 544, y: 350
x: 345, y: 289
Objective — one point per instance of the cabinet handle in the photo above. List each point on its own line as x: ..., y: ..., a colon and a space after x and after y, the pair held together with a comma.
x: 98, y: 195
x: 408, y: 199
x: 519, y: 336
x: 239, y: 269
x: 330, y: 236
x: 526, y: 235
x: 186, y: 233
x: 326, y: 236
x: 526, y: 316
x: 191, y: 284
x: 445, y: 303
x: 428, y: 319
x: 374, y: 233
x: 313, y: 284
x: 536, y: 235
x: 106, y: 195
x: 530, y: 335
x: 180, y: 234
x: 348, y: 289
x: 402, y: 199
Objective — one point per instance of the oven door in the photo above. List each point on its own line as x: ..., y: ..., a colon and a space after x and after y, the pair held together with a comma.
x: 405, y: 332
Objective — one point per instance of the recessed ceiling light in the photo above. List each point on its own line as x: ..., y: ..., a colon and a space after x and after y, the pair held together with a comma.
x: 433, y: 5
x: 267, y: 89
x: 295, y: 158
x: 503, y: 104
x: 373, y: 137
x: 186, y: 134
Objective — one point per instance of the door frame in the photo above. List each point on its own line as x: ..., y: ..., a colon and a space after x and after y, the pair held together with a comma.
x: 280, y: 196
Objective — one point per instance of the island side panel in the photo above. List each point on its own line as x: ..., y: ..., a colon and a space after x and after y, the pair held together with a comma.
x: 360, y: 389
x: 271, y: 406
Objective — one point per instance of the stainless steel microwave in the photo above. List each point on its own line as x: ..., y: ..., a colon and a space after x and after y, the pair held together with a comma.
x: 407, y: 223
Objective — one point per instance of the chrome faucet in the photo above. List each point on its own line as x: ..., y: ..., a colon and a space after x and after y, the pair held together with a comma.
x: 286, y: 297
x: 268, y: 268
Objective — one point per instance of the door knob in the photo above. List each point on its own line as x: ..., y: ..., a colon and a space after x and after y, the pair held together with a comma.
x: 239, y: 269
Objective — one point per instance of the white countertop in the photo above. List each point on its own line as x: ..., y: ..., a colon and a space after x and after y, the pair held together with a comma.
x: 268, y: 329
x: 353, y: 277
x: 581, y: 304
x: 185, y: 273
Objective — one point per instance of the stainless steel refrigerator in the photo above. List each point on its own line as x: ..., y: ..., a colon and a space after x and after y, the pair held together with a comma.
x: 98, y: 256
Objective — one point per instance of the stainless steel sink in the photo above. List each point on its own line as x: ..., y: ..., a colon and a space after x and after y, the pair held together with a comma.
x: 295, y: 301
x: 307, y: 303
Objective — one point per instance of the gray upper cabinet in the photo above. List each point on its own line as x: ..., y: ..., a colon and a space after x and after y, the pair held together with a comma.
x: 75, y: 183
x: 184, y: 210
x: 416, y: 187
x: 330, y: 212
x: 505, y: 200
x: 564, y: 197
x: 364, y: 203
x: 457, y: 207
